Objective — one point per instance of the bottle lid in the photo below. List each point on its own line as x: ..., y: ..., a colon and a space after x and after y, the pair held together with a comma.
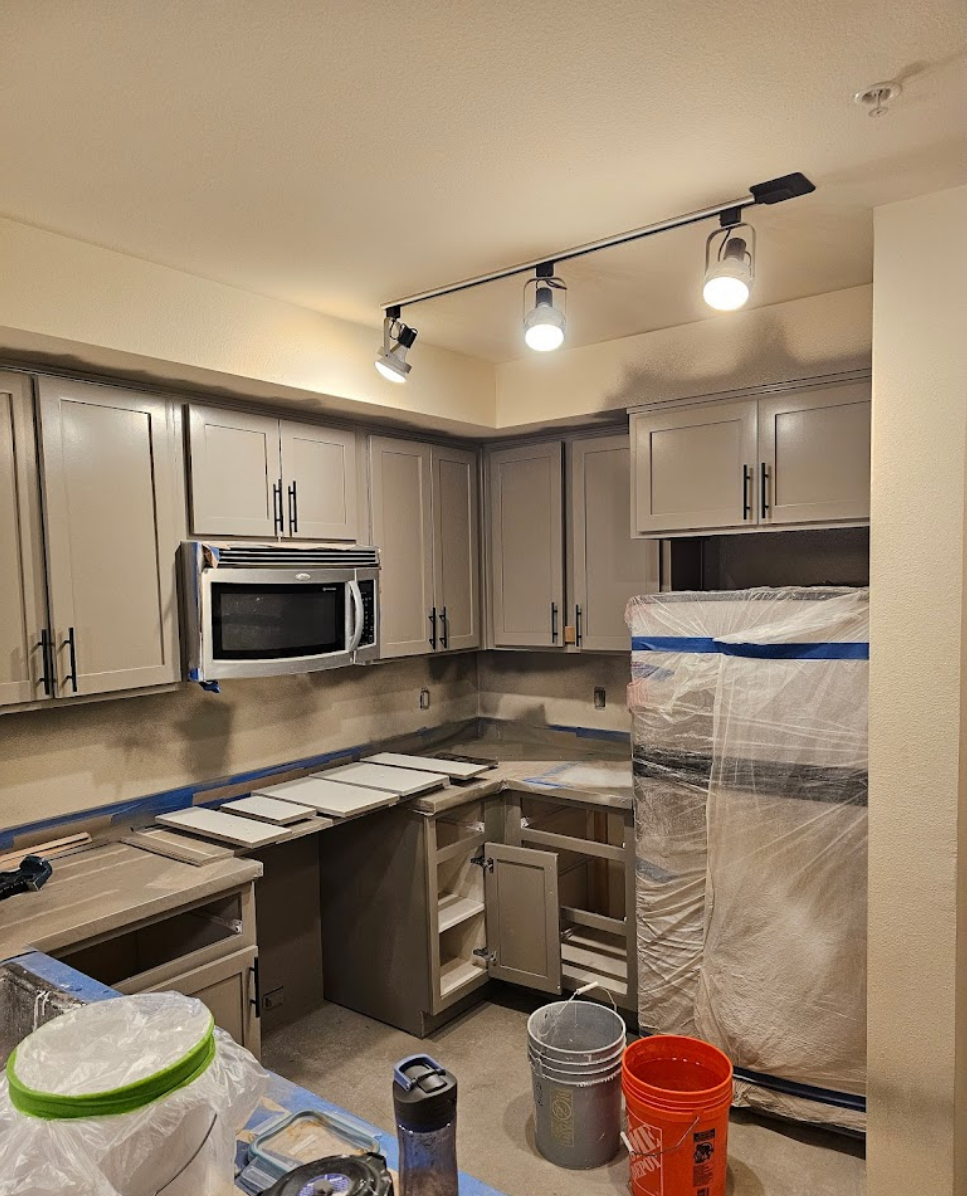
x: 424, y: 1094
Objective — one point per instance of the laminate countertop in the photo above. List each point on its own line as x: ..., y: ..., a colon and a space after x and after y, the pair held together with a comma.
x: 109, y: 886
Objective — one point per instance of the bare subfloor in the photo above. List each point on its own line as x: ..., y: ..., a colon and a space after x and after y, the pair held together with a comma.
x: 349, y: 1060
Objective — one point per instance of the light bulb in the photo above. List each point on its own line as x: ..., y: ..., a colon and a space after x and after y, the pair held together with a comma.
x: 544, y: 324
x: 391, y: 369
x: 728, y: 280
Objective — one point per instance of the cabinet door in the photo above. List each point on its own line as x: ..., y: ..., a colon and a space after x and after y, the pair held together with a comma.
x: 814, y: 449
x: 455, y: 547
x: 523, y: 919
x: 319, y: 476
x: 235, y: 473
x: 527, y: 546
x: 609, y: 566
x: 228, y: 987
x: 108, y: 464
x: 23, y: 605
x: 694, y: 468
x: 403, y: 532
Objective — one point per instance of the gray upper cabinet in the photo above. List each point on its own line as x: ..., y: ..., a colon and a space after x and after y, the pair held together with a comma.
x: 814, y: 452
x: 109, y: 461
x: 424, y: 510
x: 456, y: 551
x: 23, y: 603
x: 403, y: 532
x: 523, y: 928
x: 694, y: 467
x: 235, y: 473
x: 608, y: 567
x: 319, y: 476
x: 527, y: 545
x: 257, y: 476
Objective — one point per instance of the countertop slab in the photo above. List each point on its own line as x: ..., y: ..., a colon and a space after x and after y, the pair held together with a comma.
x: 604, y: 783
x: 106, y: 887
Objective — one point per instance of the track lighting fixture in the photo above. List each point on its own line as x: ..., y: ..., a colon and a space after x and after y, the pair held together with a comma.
x: 397, y: 339
x: 729, y: 273
x: 544, y: 324
x: 729, y: 264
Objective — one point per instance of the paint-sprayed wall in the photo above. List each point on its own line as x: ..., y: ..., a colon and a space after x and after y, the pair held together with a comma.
x: 60, y: 761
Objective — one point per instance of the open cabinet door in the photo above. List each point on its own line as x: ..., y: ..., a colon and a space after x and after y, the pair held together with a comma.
x: 523, y: 920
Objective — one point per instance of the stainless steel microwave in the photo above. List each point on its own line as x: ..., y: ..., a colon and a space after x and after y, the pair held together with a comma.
x: 255, y: 610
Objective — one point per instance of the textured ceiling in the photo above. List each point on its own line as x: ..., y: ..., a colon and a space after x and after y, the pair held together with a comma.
x: 340, y: 154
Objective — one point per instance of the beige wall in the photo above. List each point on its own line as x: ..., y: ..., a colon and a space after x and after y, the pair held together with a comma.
x: 804, y: 338
x: 94, y: 307
x: 917, y: 1140
x: 59, y: 761
x: 542, y: 688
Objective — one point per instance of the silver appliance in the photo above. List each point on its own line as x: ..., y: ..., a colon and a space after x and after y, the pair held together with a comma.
x: 256, y: 610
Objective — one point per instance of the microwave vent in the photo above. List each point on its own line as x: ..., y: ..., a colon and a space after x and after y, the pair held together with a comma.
x: 258, y: 556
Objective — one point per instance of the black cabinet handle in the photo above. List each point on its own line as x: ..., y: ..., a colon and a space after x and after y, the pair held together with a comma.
x: 71, y: 646
x: 445, y: 628
x: 44, y: 646
x: 553, y: 622
x: 256, y: 975
x: 277, y: 520
x: 746, y: 496
x: 763, y: 481
x: 432, y: 617
x: 293, y: 510
x: 578, y: 629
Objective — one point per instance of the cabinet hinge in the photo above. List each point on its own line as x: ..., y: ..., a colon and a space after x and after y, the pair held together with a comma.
x: 485, y: 953
x: 483, y: 861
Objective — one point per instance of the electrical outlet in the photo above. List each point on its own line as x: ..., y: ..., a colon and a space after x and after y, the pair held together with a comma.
x: 600, y: 697
x: 424, y: 699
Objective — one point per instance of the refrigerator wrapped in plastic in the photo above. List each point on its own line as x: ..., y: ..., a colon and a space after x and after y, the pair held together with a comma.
x: 750, y: 713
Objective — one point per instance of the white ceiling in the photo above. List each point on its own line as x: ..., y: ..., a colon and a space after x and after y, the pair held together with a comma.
x: 339, y: 154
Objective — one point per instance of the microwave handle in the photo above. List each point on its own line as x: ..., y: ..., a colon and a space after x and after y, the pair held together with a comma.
x: 357, y: 599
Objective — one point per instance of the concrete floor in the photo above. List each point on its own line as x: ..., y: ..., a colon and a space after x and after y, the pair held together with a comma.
x: 349, y: 1059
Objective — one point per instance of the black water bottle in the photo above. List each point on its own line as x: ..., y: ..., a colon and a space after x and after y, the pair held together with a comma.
x: 425, y: 1101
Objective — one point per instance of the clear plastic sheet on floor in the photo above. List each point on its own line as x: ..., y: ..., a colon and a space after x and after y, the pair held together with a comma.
x: 750, y: 754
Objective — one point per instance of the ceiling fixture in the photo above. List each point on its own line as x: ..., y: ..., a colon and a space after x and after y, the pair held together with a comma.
x: 878, y: 98
x: 728, y: 279
x: 397, y: 339
x: 544, y: 324
x: 729, y: 264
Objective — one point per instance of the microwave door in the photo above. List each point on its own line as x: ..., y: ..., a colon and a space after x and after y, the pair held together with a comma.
x: 267, y: 622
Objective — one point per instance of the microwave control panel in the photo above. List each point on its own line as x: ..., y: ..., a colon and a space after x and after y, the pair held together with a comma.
x: 368, y: 591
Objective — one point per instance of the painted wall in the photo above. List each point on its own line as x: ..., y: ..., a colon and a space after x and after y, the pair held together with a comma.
x: 917, y: 1139
x: 804, y: 338
x: 92, y: 306
x: 60, y: 761
x: 547, y: 688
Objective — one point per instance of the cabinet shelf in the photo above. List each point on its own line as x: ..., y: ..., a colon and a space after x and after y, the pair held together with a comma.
x: 455, y: 973
x: 454, y: 909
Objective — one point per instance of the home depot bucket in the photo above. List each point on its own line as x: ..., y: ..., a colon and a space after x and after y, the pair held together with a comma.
x: 575, y: 1050
x: 678, y: 1092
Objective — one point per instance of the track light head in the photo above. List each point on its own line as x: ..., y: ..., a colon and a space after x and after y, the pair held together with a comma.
x: 391, y: 356
x: 729, y: 266
x: 544, y: 324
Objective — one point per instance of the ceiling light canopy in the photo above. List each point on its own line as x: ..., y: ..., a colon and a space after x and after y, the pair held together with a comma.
x: 729, y: 273
x: 544, y: 324
x: 729, y: 264
x: 391, y: 357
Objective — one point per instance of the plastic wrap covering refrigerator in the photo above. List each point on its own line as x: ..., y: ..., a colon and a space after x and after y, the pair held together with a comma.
x: 750, y: 755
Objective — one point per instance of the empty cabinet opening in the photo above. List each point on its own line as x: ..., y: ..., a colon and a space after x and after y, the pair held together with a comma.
x: 460, y: 825
x: 458, y: 963
x: 460, y: 892
x: 178, y: 937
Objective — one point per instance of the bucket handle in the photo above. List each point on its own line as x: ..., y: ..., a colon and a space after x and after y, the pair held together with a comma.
x: 653, y: 1154
x: 586, y: 988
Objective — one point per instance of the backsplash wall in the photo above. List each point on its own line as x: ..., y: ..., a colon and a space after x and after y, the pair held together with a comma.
x: 552, y: 688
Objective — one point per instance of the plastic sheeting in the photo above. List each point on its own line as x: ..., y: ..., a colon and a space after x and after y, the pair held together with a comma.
x: 750, y: 713
x: 180, y: 1144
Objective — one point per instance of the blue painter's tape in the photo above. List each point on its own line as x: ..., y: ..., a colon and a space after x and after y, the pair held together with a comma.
x: 700, y: 645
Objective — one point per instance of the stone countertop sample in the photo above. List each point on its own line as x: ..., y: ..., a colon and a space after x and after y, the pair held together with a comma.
x: 107, y: 887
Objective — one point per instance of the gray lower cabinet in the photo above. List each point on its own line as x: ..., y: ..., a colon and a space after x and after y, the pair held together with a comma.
x: 420, y: 911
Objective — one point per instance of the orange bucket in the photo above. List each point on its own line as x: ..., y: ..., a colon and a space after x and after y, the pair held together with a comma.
x: 678, y: 1092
